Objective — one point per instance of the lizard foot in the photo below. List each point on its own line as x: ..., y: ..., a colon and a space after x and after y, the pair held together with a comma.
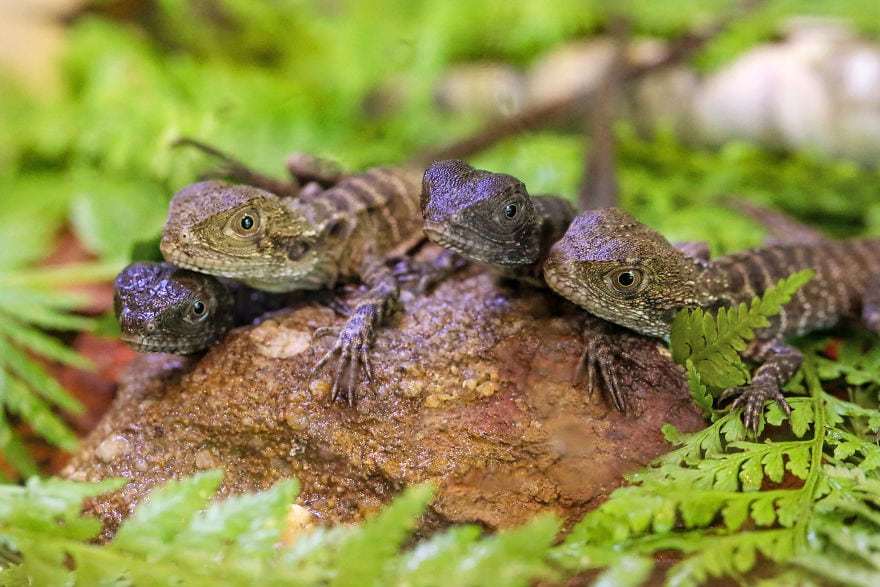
x: 353, y: 349
x: 599, y: 360
x: 427, y: 275
x: 751, y: 399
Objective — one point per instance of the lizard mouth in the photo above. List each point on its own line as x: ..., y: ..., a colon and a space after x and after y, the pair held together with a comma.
x: 472, y: 248
x: 219, y: 266
x: 163, y: 344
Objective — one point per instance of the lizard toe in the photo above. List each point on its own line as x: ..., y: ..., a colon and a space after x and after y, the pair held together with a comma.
x: 751, y: 399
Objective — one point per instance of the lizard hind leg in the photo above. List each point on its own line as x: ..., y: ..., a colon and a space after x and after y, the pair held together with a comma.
x: 871, y: 305
x: 780, y: 362
x: 354, y: 340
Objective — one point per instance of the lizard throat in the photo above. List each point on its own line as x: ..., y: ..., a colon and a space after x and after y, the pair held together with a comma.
x: 166, y: 344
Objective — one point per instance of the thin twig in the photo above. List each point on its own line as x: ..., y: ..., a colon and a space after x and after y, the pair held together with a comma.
x: 232, y: 167
x: 540, y: 115
x: 599, y: 184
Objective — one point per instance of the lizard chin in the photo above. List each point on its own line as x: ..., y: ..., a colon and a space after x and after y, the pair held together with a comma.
x: 163, y: 344
x: 471, y: 248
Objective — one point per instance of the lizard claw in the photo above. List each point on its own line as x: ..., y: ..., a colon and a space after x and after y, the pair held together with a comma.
x: 598, y: 358
x: 751, y: 399
x: 352, y: 354
x: 334, y: 302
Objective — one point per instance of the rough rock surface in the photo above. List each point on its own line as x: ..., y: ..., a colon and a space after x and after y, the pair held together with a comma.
x: 472, y: 391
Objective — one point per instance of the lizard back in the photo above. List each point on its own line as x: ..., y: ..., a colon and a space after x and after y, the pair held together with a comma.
x: 843, y: 270
x: 372, y: 213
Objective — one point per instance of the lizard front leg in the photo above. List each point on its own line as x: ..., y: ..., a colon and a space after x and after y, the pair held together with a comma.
x: 599, y: 362
x: 779, y: 364
x: 355, y: 339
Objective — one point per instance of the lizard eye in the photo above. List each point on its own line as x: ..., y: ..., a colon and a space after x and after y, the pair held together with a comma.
x: 246, y: 223
x: 198, y: 311
x: 626, y: 280
x: 511, y: 213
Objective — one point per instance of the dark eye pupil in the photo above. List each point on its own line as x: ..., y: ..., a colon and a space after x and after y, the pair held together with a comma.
x: 247, y: 222
x: 626, y: 278
x: 198, y: 307
x: 510, y: 210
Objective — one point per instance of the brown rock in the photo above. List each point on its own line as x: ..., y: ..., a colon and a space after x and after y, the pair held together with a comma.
x: 472, y: 391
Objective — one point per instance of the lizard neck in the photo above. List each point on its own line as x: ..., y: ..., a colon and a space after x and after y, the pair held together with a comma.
x: 713, y: 287
x: 554, y: 214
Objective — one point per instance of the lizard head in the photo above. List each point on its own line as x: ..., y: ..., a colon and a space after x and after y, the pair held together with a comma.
x: 486, y: 217
x: 162, y: 308
x: 243, y: 233
x: 621, y: 270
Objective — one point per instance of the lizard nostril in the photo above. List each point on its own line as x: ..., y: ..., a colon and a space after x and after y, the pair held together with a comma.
x: 150, y: 327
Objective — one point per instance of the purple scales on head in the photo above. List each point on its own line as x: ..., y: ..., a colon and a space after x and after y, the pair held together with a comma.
x: 162, y: 308
x: 483, y: 216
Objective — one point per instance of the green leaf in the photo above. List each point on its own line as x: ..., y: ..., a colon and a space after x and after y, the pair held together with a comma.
x: 21, y: 402
x: 369, y: 550
x: 699, y: 392
x: 166, y: 511
x: 250, y: 524
x: 628, y: 571
x: 712, y: 343
x: 107, y: 228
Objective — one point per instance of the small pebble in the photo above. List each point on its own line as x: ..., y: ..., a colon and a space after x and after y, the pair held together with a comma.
x: 279, y: 342
x: 111, y: 448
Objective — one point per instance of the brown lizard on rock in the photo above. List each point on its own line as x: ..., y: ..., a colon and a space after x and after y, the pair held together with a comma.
x: 276, y: 244
x: 623, y: 271
x: 491, y: 219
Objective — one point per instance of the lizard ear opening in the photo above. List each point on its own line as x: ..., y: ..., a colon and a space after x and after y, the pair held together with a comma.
x: 334, y: 229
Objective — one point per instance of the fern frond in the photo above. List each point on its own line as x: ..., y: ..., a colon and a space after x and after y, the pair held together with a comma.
x: 712, y: 343
x: 174, y: 537
x: 27, y: 306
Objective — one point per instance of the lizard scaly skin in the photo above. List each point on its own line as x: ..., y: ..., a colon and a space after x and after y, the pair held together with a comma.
x: 490, y: 218
x: 342, y: 234
x: 625, y: 272
x: 165, y: 309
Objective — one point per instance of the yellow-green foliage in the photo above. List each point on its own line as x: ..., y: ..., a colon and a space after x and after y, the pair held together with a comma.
x: 710, y: 343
